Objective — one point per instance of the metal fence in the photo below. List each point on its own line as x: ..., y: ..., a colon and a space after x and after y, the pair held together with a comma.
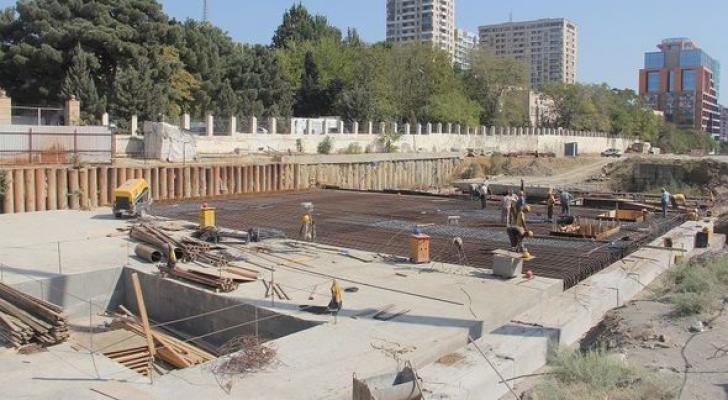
x: 55, y: 144
x: 38, y: 116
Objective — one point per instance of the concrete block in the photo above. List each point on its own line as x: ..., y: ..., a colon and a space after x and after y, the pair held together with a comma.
x: 506, y: 266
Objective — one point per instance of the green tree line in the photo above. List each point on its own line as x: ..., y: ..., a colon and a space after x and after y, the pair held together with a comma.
x: 128, y: 57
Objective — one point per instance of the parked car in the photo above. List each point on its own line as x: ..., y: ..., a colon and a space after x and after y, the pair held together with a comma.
x: 612, y: 153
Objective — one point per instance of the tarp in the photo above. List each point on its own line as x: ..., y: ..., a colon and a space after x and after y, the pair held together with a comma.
x: 167, y: 142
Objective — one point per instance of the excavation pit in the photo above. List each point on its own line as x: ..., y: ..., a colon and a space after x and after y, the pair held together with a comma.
x: 186, y: 312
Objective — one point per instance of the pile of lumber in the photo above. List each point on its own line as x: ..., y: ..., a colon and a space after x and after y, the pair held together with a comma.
x: 588, y: 228
x: 26, y: 320
x: 169, y: 349
x: 215, y: 278
x: 136, y: 359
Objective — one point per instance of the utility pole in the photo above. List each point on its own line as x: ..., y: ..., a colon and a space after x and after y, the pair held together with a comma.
x: 205, y: 11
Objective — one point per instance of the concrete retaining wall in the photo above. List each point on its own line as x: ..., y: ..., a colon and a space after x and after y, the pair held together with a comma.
x: 61, y: 188
x: 167, y: 300
x: 495, y: 140
x: 76, y: 293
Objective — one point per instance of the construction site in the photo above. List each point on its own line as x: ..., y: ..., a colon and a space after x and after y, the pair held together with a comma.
x: 374, y: 279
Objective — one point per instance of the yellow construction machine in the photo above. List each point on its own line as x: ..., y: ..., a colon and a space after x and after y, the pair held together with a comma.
x: 132, y: 198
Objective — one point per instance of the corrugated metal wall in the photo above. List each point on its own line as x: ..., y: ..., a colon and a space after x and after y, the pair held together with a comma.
x: 22, y: 144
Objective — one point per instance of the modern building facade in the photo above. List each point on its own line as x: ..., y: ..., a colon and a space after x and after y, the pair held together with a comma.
x: 465, y: 43
x: 724, y: 124
x: 548, y: 46
x: 683, y: 82
x: 424, y: 21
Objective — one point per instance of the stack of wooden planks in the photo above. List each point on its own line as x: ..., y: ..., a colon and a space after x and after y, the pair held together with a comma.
x: 25, y: 319
x: 136, y: 359
x: 169, y: 349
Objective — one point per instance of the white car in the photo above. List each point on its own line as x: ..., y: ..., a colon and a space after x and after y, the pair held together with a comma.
x: 612, y: 153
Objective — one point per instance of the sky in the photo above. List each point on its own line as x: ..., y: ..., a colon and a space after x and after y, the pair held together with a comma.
x: 613, y: 34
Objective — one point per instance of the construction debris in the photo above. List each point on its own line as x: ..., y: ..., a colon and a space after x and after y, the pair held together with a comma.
x: 26, y: 320
x: 244, y: 354
x: 169, y: 349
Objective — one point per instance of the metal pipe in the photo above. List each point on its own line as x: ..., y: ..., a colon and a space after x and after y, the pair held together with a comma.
x: 148, y: 253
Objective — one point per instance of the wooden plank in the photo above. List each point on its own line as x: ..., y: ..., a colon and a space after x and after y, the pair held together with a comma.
x: 143, y: 313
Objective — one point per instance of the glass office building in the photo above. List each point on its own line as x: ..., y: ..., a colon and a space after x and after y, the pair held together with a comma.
x: 682, y: 81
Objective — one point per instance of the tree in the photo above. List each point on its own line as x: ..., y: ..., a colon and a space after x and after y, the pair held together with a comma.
x: 138, y: 91
x: 453, y: 107
x: 300, y: 26
x: 601, y: 108
x: 112, y: 32
x: 312, y: 98
x: 355, y: 104
x: 499, y: 85
x: 79, y: 83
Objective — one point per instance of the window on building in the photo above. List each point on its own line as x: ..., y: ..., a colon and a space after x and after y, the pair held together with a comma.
x: 670, y: 81
x: 653, y: 82
x: 691, y: 58
x: 654, y: 60
x: 688, y: 80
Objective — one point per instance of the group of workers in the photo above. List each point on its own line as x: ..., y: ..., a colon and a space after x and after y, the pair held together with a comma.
x: 515, y: 209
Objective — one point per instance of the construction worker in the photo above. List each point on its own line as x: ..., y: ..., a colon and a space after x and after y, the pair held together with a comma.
x: 516, y: 234
x: 505, y: 208
x: 307, y: 228
x: 665, y: 201
x: 550, y: 203
x: 474, y: 191
x: 566, y: 198
x: 336, y: 297
x: 171, y: 257
x: 521, y: 201
x: 513, y: 212
x: 483, y: 195
x: 457, y: 244
x: 521, y: 217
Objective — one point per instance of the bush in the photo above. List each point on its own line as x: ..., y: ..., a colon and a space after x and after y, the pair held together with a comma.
x: 499, y: 164
x: 673, y: 140
x: 325, y: 146
x: 353, y: 148
x: 597, y: 375
x: 696, y: 288
x: 473, y: 170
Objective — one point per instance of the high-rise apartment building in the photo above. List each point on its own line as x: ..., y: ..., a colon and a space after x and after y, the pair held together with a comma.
x: 548, y: 46
x: 422, y: 20
x: 465, y: 43
x: 724, y: 124
x: 682, y: 81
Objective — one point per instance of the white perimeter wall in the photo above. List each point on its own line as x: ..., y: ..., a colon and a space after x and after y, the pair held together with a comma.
x: 503, y: 141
